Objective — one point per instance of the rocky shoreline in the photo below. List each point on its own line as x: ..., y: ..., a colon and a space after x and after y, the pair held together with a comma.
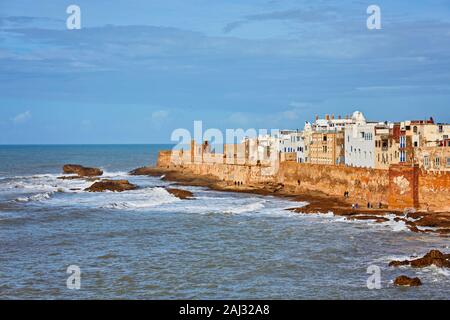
x: 318, y: 203
x: 419, y: 222
x: 79, y: 172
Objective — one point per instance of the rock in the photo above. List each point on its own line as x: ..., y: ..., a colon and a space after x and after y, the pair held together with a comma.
x: 368, y: 217
x: 399, y: 263
x: 111, y: 185
x: 146, y: 171
x: 434, y: 221
x: 407, y: 281
x: 77, y: 178
x: 181, y: 194
x: 434, y: 257
x: 413, y: 228
x: 82, y: 171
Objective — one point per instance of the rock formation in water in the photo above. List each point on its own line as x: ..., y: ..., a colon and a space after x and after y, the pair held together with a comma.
x: 434, y: 257
x: 407, y: 281
x: 111, y: 185
x: 181, y: 194
x: 82, y: 171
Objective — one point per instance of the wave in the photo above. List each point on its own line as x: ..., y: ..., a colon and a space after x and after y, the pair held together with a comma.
x: 251, y: 207
x: 141, y: 199
x: 37, y: 197
x: 396, y: 226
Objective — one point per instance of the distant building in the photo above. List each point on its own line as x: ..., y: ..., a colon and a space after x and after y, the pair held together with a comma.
x: 387, y: 143
x: 327, y: 147
x: 292, y: 142
x: 360, y: 142
x: 435, y: 158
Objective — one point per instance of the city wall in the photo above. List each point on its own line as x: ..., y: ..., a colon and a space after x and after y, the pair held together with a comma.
x: 399, y: 187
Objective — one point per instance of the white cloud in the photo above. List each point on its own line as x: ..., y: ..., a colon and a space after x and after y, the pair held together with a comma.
x: 22, y: 117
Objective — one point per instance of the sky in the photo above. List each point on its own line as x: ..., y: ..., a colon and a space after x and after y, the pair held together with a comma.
x: 139, y: 69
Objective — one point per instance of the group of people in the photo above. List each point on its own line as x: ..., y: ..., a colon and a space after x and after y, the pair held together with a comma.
x: 356, y: 205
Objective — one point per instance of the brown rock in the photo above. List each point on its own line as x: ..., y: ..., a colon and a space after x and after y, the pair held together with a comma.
x: 434, y: 257
x: 407, y: 281
x: 399, y: 263
x: 111, y: 185
x: 434, y: 221
x: 81, y: 171
x: 181, y: 194
x: 375, y: 218
x: 147, y: 171
x: 413, y: 228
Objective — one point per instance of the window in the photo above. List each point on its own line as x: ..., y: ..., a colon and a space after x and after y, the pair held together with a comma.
x: 441, y: 129
x: 415, y: 129
x: 426, y: 161
x: 402, y: 156
x: 324, y: 149
x: 448, y: 161
x: 324, y: 138
x: 402, y: 142
x: 437, y: 162
x: 415, y: 144
x: 407, y: 128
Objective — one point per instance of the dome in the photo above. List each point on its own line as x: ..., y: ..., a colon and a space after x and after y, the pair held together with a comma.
x: 308, y: 126
x: 358, y: 117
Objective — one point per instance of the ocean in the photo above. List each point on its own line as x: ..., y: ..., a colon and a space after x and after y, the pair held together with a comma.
x: 147, y: 244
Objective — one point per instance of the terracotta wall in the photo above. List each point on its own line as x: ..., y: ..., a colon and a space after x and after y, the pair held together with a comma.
x: 400, y: 187
x: 364, y: 185
x: 434, y: 191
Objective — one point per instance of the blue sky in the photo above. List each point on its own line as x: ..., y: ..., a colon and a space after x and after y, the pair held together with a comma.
x: 139, y: 69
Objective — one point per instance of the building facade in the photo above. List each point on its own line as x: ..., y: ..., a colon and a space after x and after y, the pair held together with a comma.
x: 327, y: 147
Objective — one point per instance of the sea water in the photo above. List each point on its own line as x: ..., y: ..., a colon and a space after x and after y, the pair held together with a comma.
x: 148, y: 244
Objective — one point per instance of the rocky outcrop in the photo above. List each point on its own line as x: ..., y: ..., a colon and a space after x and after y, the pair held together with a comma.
x: 407, y: 281
x: 82, y: 171
x: 111, y: 185
x: 181, y: 194
x: 146, y: 171
x: 370, y: 217
x: 399, y: 263
x: 434, y: 257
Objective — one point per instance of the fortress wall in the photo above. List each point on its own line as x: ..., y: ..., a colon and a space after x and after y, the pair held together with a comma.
x: 399, y: 187
x: 363, y: 185
x: 434, y: 191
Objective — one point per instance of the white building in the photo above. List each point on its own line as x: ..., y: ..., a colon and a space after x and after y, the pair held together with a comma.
x: 331, y: 124
x: 360, y: 142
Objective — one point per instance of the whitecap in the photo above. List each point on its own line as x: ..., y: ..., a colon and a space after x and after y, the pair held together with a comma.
x: 37, y: 197
x: 251, y: 207
x: 140, y: 199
